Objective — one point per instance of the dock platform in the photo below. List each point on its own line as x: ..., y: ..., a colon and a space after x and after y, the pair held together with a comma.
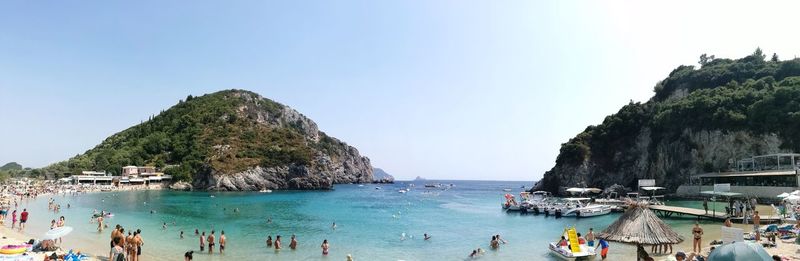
x: 668, y: 211
x: 665, y: 211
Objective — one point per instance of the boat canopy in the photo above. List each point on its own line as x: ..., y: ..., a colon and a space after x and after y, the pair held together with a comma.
x: 726, y: 194
x: 584, y: 190
x: 576, y: 199
x: 652, y: 188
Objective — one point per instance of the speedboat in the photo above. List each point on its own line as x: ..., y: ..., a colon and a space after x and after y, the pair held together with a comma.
x: 402, y: 191
x: 510, y: 203
x: 265, y: 191
x: 589, y: 211
x: 565, y: 249
x: 580, y: 207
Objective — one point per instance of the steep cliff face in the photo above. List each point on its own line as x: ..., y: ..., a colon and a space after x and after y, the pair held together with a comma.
x: 669, y: 162
x: 230, y: 140
x: 700, y: 120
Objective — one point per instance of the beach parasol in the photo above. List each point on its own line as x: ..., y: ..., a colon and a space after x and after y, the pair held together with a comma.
x: 640, y: 226
x: 792, y: 198
x: 740, y: 251
x: 57, y: 232
x: 783, y: 195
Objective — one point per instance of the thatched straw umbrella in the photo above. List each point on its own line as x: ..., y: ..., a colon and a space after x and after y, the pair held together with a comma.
x: 640, y: 226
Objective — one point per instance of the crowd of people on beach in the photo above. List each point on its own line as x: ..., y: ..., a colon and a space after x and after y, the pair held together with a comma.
x: 277, y: 245
x: 125, y: 248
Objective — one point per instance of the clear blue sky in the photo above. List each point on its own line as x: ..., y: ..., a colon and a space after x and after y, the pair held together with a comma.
x: 440, y: 89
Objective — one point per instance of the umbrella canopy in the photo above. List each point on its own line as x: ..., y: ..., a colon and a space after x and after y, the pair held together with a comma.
x: 783, y: 195
x: 792, y: 198
x: 740, y: 251
x: 639, y: 225
x: 57, y: 232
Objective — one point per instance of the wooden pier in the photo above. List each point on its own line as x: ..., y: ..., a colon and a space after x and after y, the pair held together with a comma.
x: 668, y: 211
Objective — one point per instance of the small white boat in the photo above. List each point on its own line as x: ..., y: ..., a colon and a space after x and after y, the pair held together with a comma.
x: 360, y: 185
x: 402, y: 191
x: 377, y: 187
x: 507, y: 189
x: 580, y: 207
x: 265, y: 191
x: 589, y: 211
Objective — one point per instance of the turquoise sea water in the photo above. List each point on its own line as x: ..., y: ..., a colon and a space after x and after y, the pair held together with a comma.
x: 370, y: 222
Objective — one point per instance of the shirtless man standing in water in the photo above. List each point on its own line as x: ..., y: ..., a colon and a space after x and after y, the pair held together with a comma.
x: 293, y: 243
x: 211, y: 242
x: 138, y: 243
x: 100, y: 224
x: 222, y: 241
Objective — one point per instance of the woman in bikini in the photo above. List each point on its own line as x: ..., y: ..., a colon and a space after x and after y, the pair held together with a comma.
x: 325, y: 247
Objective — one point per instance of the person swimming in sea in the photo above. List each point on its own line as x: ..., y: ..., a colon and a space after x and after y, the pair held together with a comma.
x: 427, y: 236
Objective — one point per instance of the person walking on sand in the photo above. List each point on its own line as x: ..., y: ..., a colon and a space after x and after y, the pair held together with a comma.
x: 603, y: 245
x: 293, y: 243
x: 324, y: 247
x: 23, y: 218
x: 697, y: 233
x: 211, y: 242
x: 13, y: 219
x: 222, y: 241
x: 756, y: 225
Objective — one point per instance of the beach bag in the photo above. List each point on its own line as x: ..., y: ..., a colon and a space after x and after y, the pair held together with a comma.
x: 120, y: 257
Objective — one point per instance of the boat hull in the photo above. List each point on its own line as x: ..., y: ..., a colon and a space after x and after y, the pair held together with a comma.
x: 586, y: 253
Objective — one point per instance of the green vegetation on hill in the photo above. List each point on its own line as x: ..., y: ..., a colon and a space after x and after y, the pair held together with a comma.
x: 11, y: 166
x: 201, y: 133
x: 751, y: 94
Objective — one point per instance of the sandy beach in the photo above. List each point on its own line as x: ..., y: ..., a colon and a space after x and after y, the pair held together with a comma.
x: 14, y: 237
